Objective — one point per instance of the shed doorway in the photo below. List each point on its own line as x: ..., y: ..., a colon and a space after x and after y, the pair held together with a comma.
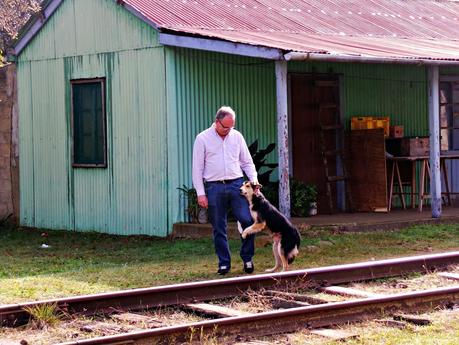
x: 315, y: 103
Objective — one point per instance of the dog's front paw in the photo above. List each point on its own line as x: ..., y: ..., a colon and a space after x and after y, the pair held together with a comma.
x: 244, y: 234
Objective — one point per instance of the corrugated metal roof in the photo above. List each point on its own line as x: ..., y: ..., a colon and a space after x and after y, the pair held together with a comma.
x: 412, y: 29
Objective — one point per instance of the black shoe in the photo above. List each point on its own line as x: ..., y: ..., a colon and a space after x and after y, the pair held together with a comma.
x: 249, y: 267
x: 222, y: 270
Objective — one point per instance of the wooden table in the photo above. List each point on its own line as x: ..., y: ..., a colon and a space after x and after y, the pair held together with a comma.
x: 424, y: 172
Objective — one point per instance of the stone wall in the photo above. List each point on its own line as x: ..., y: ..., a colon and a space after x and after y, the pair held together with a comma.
x: 9, y: 153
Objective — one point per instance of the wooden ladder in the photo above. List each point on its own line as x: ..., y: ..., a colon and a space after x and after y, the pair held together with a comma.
x: 335, y: 153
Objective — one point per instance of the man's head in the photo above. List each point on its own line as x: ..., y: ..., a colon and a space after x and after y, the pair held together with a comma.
x: 225, y: 120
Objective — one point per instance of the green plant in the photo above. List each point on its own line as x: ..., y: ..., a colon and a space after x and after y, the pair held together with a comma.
x: 259, y: 160
x: 192, y: 207
x: 301, y: 197
x: 44, y: 315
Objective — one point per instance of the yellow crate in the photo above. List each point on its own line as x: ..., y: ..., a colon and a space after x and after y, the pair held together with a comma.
x: 362, y: 122
x: 370, y: 122
x: 383, y: 122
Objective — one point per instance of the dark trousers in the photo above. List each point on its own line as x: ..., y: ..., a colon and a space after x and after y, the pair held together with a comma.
x: 221, y: 197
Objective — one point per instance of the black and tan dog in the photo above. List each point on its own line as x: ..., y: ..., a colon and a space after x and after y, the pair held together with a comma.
x: 286, y: 238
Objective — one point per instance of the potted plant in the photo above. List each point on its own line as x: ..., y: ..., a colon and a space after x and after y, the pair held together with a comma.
x: 311, y: 197
x: 303, y: 198
x: 196, y: 214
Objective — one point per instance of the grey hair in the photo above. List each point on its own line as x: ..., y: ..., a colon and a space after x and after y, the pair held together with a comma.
x: 224, y: 112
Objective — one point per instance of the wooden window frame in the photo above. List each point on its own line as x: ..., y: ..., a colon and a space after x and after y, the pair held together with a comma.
x: 448, y: 79
x: 104, y: 119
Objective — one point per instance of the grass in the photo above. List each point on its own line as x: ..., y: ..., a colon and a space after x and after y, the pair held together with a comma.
x: 45, y: 315
x: 80, y: 263
x: 83, y: 263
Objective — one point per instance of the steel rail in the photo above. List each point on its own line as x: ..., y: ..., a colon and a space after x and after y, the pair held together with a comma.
x: 144, y: 298
x: 289, y: 320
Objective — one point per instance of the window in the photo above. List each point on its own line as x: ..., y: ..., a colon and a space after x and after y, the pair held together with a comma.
x: 88, y: 120
x: 449, y: 114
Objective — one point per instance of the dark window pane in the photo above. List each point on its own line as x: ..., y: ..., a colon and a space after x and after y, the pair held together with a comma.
x: 88, y: 124
x: 455, y: 139
x: 445, y: 93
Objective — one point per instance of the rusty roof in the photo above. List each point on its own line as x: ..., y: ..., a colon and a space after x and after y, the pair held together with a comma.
x: 384, y: 29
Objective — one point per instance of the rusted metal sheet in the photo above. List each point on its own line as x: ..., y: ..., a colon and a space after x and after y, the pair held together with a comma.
x: 389, y: 28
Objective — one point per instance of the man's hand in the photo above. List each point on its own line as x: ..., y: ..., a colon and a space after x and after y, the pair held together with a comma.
x: 202, y: 201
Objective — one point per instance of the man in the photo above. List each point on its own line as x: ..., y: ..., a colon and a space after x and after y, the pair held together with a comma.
x: 220, y: 155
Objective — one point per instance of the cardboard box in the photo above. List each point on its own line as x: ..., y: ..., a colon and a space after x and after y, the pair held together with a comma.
x: 396, y: 131
x: 418, y: 146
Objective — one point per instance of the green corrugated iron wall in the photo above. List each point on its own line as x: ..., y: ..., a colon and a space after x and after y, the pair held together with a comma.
x: 449, y: 70
x: 130, y: 195
x: 204, y: 81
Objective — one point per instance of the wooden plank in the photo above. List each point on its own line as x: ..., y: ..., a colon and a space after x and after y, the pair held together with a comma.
x: 295, y: 296
x: 132, y: 319
x: 416, y: 320
x: 449, y: 275
x: 214, y: 310
x: 279, y: 302
x: 344, y: 291
x: 392, y: 323
x: 335, y: 334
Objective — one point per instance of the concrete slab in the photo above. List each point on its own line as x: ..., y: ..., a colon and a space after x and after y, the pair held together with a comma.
x: 352, y: 222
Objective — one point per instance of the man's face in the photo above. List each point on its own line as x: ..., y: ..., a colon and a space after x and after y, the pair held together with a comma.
x: 225, y: 125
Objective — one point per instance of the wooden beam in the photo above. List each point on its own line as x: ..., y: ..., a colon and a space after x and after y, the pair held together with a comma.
x: 214, y: 310
x: 282, y: 137
x: 415, y: 320
x: 344, y: 291
x: 295, y: 296
x: 220, y: 46
x: 279, y: 302
x: 449, y: 275
x: 434, y: 129
x: 133, y: 319
x: 334, y: 334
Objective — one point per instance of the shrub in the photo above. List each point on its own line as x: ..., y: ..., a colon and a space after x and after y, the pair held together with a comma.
x: 301, y: 196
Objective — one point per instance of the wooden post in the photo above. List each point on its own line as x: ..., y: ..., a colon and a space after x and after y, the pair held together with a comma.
x: 434, y: 129
x: 282, y: 137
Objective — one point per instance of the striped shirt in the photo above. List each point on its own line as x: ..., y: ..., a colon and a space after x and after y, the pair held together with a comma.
x: 216, y: 158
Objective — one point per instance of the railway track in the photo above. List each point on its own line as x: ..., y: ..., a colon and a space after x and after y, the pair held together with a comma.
x: 299, y: 315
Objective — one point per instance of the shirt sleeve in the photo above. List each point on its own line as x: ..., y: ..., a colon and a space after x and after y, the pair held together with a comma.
x: 198, y: 166
x: 246, y: 161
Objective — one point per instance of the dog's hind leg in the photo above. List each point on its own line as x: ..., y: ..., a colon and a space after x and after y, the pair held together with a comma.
x: 276, y: 246
x: 283, y: 258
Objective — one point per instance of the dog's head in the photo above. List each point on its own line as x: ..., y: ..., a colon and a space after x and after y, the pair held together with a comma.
x: 248, y: 189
